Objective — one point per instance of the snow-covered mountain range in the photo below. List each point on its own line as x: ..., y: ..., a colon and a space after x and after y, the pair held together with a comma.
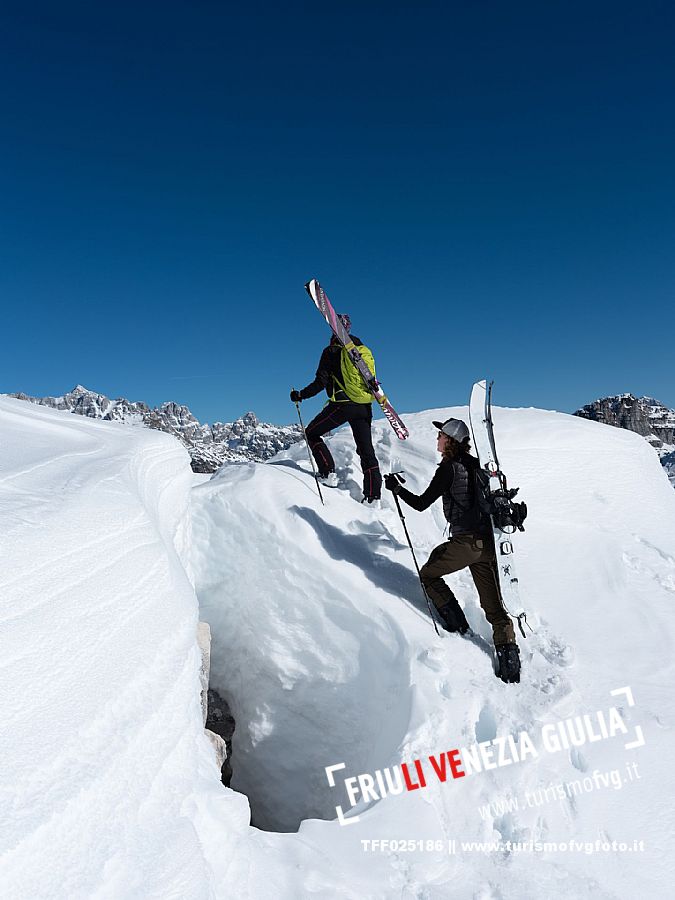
x: 643, y: 415
x: 209, y: 446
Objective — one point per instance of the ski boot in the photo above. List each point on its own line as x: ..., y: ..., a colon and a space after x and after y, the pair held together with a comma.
x: 508, y: 658
x: 452, y: 618
x: 330, y: 480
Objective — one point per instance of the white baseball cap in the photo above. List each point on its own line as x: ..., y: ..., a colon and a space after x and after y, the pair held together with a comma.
x: 454, y: 428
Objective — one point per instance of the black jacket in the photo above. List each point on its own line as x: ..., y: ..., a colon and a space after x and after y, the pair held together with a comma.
x: 328, y: 373
x: 454, y: 481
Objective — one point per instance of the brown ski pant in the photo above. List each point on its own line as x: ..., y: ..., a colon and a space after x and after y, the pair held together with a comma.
x: 478, y: 553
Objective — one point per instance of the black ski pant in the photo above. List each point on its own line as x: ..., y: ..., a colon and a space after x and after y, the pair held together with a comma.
x: 359, y: 416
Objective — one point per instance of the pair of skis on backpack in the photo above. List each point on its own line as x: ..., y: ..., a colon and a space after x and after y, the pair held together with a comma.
x: 323, y: 304
x: 506, y: 515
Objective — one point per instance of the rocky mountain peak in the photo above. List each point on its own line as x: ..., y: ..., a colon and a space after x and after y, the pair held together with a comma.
x: 643, y: 415
x: 209, y: 446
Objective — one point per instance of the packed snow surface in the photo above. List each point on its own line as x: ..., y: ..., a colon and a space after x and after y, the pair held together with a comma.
x: 323, y: 645
x: 101, y: 739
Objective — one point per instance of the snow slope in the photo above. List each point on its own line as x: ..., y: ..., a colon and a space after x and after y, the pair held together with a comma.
x: 102, y: 743
x: 322, y: 644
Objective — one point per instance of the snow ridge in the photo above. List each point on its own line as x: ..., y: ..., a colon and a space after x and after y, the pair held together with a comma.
x: 323, y: 646
x: 99, y: 681
x: 322, y: 643
x: 209, y: 446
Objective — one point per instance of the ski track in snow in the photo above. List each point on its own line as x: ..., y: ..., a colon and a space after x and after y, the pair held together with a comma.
x: 323, y: 644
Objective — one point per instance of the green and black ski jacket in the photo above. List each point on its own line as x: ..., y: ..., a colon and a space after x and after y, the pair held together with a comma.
x: 329, y: 374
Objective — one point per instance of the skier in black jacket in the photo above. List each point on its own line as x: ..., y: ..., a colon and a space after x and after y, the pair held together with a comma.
x: 471, y: 544
x: 340, y: 408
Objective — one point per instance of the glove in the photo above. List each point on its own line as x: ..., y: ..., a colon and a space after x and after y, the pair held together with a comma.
x: 392, y: 484
x: 296, y: 397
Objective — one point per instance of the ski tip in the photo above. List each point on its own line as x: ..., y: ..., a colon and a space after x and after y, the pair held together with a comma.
x: 311, y: 287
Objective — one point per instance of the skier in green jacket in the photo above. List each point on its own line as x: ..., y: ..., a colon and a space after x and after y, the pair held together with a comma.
x: 341, y: 408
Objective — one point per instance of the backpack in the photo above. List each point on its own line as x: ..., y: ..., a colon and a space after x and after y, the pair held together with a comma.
x: 506, y: 514
x: 471, y: 510
x: 480, y: 483
x: 352, y: 380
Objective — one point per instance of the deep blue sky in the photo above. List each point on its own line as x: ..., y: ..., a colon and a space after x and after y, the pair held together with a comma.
x: 487, y: 188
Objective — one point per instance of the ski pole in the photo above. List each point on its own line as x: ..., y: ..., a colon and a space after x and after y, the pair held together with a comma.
x: 309, y: 453
x: 405, y: 528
